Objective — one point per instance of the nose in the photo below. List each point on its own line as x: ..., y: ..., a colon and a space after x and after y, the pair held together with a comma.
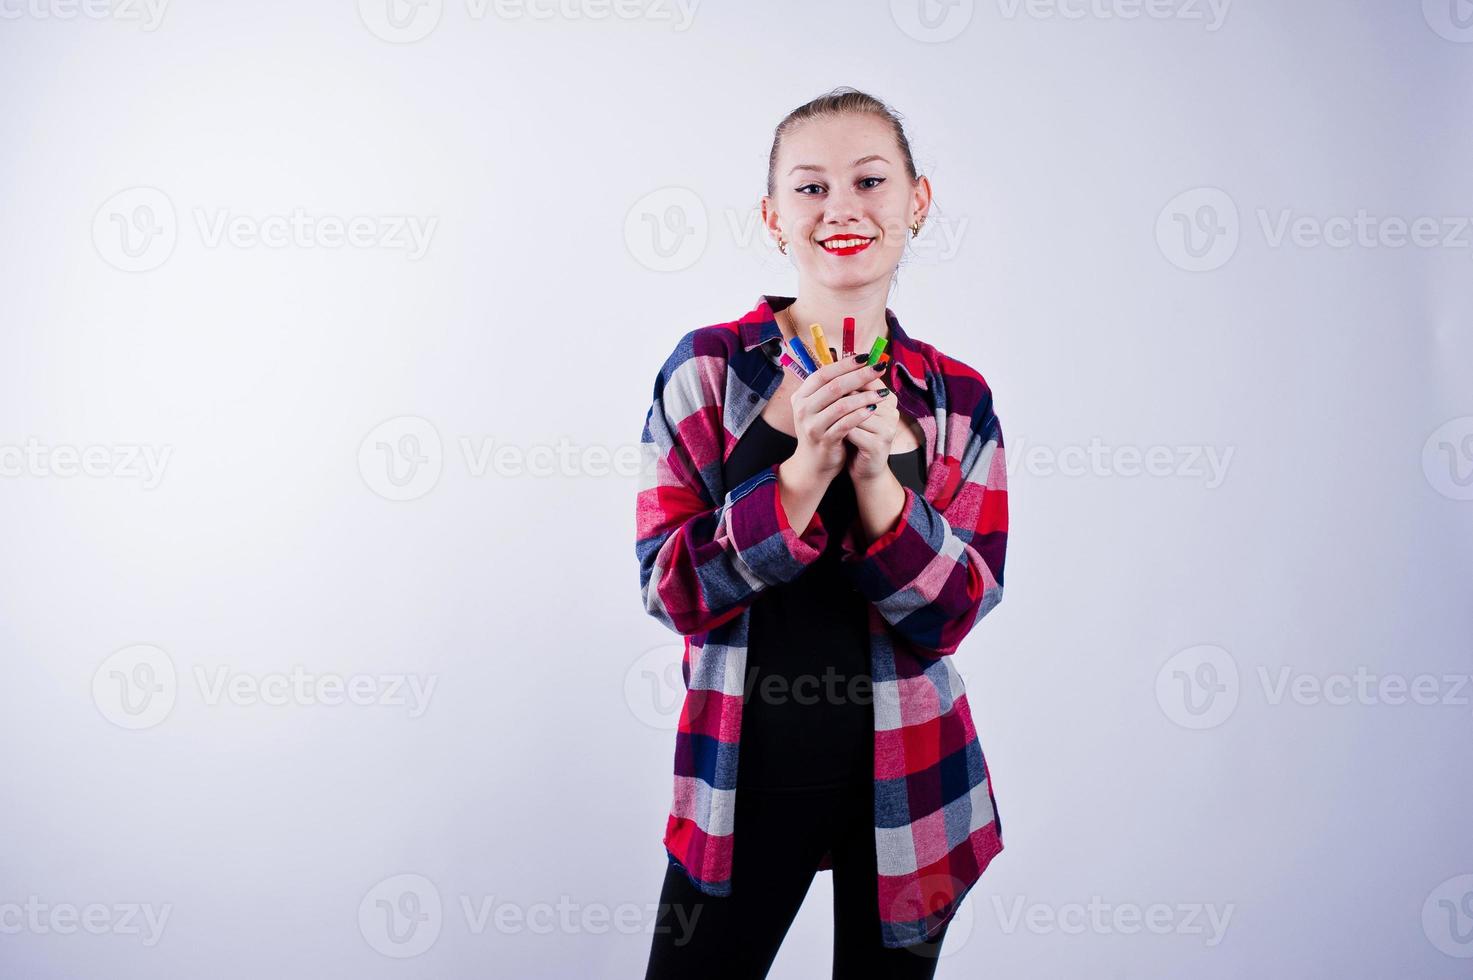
x: 842, y: 207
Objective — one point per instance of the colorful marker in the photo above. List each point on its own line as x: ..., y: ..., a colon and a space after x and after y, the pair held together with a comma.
x: 794, y: 366
x: 875, y: 351
x: 848, y: 335
x: 800, y: 354
x: 820, y: 344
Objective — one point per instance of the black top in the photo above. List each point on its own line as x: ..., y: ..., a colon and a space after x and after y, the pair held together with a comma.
x: 808, y: 714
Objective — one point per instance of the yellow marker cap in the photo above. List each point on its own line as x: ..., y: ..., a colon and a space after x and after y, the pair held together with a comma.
x: 821, y: 344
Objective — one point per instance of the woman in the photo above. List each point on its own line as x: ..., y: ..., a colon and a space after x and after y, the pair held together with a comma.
x: 823, y: 654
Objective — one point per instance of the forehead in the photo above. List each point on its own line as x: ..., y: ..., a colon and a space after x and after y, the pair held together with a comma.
x: 834, y: 142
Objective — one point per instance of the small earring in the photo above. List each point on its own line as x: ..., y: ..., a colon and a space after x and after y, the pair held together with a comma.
x: 915, y: 229
x: 782, y: 246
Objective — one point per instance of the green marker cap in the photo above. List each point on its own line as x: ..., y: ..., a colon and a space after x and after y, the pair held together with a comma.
x: 875, y: 350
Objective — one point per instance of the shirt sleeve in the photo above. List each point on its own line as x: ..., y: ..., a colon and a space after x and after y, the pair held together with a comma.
x: 702, y: 560
x: 940, y: 570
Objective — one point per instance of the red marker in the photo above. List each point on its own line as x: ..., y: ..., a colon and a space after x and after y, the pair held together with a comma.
x: 848, y: 335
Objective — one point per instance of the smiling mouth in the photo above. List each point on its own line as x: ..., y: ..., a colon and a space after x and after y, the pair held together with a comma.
x: 846, y: 246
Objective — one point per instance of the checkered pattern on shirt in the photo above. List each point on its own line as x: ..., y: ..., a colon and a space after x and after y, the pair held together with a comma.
x: 706, y: 550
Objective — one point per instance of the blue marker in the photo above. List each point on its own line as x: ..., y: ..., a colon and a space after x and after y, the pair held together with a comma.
x: 800, y: 352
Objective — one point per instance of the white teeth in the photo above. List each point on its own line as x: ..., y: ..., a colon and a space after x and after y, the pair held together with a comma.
x: 844, y: 243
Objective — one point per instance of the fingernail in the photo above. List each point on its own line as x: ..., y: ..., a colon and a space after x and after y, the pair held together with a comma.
x: 873, y: 407
x: 878, y: 365
x: 861, y: 357
x: 884, y: 392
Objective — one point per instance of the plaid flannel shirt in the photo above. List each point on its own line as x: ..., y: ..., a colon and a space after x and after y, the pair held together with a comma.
x: 707, y: 550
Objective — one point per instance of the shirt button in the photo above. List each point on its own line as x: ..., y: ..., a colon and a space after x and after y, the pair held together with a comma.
x: 751, y: 398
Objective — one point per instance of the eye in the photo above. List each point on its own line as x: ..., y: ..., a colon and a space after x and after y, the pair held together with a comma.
x: 806, y: 186
x: 878, y: 181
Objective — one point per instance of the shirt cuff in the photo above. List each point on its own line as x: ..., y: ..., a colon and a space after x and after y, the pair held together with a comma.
x: 760, y: 531
x: 893, y: 559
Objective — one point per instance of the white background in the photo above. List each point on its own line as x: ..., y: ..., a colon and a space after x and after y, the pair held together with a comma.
x: 1066, y: 143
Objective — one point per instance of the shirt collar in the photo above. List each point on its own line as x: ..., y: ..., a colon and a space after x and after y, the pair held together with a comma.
x: 760, y: 327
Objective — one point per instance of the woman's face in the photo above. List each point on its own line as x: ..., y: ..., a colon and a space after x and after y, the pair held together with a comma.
x: 839, y: 179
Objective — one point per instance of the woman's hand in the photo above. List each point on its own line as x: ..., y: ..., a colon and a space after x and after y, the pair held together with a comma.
x: 828, y: 406
x: 870, y: 440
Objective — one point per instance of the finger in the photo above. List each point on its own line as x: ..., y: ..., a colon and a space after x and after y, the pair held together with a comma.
x: 858, y: 377
x: 826, y: 373
x: 842, y: 407
x: 830, y: 383
x: 850, y: 423
x: 867, y: 441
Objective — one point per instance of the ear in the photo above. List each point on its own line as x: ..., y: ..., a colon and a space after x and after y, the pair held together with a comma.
x: 770, y: 218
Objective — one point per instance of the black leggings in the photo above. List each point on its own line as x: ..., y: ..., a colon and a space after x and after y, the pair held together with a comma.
x: 780, y: 837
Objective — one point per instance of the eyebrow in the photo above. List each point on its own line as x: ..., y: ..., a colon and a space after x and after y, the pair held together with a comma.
x: 857, y: 163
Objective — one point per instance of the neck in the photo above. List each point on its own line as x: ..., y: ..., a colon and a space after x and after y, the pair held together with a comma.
x: 828, y: 308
